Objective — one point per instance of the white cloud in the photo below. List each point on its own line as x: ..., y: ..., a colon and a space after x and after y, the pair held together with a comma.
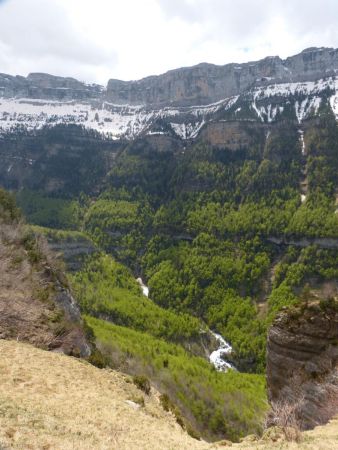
x: 129, y: 39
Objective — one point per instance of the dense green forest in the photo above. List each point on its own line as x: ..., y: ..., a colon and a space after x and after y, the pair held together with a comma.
x: 218, y: 236
x: 143, y: 339
x: 105, y: 288
x: 213, y: 404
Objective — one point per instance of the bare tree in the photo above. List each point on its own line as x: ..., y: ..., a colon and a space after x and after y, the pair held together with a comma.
x: 285, y: 415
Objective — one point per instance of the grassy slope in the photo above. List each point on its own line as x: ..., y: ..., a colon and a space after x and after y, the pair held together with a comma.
x: 51, y: 401
x: 321, y: 438
x: 141, y: 338
x: 106, y: 289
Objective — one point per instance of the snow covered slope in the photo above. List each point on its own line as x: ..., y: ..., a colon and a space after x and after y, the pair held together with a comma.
x: 305, y: 97
x: 116, y: 121
x: 264, y: 103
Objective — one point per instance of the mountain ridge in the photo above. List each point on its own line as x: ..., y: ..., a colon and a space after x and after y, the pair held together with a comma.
x: 226, y: 80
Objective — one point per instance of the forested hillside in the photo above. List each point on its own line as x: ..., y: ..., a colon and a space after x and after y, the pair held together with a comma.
x: 226, y: 236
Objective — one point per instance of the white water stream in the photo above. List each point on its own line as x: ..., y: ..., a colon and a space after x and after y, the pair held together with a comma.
x: 216, y: 357
x: 144, y: 288
x: 302, y: 142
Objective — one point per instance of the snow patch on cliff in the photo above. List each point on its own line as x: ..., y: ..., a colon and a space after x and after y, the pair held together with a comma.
x: 307, y: 94
x: 305, y: 88
x: 187, y: 130
x: 302, y: 142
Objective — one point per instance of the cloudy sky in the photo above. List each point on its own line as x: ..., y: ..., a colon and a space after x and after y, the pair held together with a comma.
x: 129, y: 39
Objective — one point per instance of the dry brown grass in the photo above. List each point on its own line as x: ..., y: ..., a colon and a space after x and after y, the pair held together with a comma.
x: 51, y: 401
x: 22, y: 315
x: 321, y: 438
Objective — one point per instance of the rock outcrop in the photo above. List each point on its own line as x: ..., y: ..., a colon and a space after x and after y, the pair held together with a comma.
x: 304, y: 242
x: 302, y: 362
x: 73, y: 251
x: 232, y: 135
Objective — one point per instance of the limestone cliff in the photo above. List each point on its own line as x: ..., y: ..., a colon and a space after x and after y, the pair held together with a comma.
x: 179, y: 103
x: 208, y: 83
x: 197, y: 85
x: 45, y: 86
x: 302, y: 361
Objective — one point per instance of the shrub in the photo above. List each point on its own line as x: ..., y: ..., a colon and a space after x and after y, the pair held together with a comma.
x: 192, y: 432
x: 8, y: 208
x: 97, y: 359
x: 142, y: 383
x: 284, y: 414
x: 168, y: 405
x: 165, y: 402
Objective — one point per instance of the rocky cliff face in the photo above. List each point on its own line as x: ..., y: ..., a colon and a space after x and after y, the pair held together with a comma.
x: 302, y: 363
x: 232, y: 135
x: 207, y: 83
x: 36, y: 305
x: 73, y: 251
x: 45, y: 86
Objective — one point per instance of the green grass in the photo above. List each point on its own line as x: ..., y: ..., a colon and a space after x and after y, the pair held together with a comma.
x: 60, y: 235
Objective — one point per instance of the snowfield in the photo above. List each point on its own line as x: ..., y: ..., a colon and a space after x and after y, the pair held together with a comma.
x: 115, y: 121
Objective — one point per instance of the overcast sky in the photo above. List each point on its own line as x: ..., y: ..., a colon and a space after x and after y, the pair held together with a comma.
x: 129, y: 39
